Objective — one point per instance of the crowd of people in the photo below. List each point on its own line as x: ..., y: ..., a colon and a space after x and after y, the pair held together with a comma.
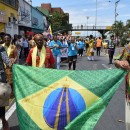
x: 42, y: 51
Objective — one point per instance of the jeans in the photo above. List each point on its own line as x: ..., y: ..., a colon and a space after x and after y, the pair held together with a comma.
x: 58, y: 60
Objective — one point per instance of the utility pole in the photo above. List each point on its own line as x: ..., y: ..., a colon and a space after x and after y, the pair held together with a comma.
x: 96, y: 19
x: 116, y: 14
x: 87, y: 24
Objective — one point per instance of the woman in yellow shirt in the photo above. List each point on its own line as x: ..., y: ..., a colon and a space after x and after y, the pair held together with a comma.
x: 90, y: 50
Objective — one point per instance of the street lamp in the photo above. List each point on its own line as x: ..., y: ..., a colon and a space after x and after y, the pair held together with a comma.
x: 116, y: 14
x: 87, y: 24
x: 96, y: 18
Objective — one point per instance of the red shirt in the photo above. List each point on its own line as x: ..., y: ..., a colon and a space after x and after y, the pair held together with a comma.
x: 49, y: 60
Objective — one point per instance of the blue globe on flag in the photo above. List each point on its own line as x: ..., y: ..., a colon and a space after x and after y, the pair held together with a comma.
x: 62, y: 106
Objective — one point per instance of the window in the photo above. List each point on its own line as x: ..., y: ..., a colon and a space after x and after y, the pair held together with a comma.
x: 13, y: 3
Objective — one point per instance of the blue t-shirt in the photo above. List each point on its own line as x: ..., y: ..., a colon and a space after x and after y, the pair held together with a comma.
x: 80, y: 45
x: 72, y: 51
x: 55, y: 51
x: 64, y: 45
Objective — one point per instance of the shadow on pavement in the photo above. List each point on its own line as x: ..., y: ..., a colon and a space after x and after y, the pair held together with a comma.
x: 15, y: 128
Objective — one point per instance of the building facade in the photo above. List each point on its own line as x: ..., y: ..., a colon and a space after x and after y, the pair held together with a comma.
x: 9, y: 16
x: 50, y: 9
x: 37, y: 20
x: 64, y: 25
x: 2, y: 19
x: 20, y: 17
x: 24, y: 17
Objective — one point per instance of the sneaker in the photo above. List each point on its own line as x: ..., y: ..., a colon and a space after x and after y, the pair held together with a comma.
x: 92, y: 58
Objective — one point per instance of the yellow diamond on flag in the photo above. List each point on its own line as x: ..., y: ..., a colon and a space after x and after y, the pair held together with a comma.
x: 55, y: 106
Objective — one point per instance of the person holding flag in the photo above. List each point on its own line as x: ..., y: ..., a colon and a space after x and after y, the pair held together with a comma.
x: 123, y: 61
x: 40, y: 55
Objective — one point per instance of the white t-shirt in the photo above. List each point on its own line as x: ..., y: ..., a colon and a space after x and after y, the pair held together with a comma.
x: 25, y: 43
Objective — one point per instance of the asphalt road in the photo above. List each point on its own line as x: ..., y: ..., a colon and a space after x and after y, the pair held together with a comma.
x: 114, y: 116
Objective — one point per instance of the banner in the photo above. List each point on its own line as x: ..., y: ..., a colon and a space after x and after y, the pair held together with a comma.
x: 49, y: 31
x: 64, y: 52
x: 51, y: 99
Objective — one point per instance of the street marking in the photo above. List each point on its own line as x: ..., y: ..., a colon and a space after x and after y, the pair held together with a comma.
x: 127, y: 111
x: 106, y: 66
x: 9, y: 113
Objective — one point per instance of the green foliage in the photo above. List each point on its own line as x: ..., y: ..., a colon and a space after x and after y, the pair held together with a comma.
x: 59, y: 21
x: 121, y: 31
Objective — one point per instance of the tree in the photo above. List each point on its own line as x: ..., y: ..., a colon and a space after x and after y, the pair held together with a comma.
x: 55, y: 20
x: 59, y: 22
x: 119, y: 30
x: 128, y: 28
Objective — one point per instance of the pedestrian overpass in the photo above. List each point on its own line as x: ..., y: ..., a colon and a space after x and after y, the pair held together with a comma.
x: 101, y: 29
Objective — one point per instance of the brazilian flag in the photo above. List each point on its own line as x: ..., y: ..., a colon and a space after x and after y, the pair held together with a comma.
x: 50, y: 99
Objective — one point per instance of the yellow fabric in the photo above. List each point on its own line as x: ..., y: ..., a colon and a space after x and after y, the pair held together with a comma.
x: 91, y: 46
x: 8, y: 49
x: 8, y: 70
x: 33, y: 104
x: 42, y: 56
x: 2, y: 27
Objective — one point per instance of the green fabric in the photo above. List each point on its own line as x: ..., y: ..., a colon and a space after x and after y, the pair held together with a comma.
x: 100, y: 83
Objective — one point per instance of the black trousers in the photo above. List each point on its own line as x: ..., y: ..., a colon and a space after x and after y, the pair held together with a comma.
x: 111, y: 53
x: 72, y: 60
x: 20, y: 56
x: 2, y: 111
x: 98, y: 51
x: 26, y: 50
x: 80, y: 52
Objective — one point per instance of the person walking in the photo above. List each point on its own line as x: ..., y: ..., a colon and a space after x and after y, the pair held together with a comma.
x: 90, y: 50
x: 98, y: 45
x: 80, y: 45
x: 19, y: 45
x: 111, y: 49
x: 25, y: 46
x: 56, y: 46
x: 72, y: 53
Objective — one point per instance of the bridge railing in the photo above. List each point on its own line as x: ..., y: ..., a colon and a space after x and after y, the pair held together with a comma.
x: 92, y: 27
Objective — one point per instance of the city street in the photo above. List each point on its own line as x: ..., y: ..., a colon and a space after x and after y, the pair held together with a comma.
x: 54, y: 34
x: 114, y: 116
